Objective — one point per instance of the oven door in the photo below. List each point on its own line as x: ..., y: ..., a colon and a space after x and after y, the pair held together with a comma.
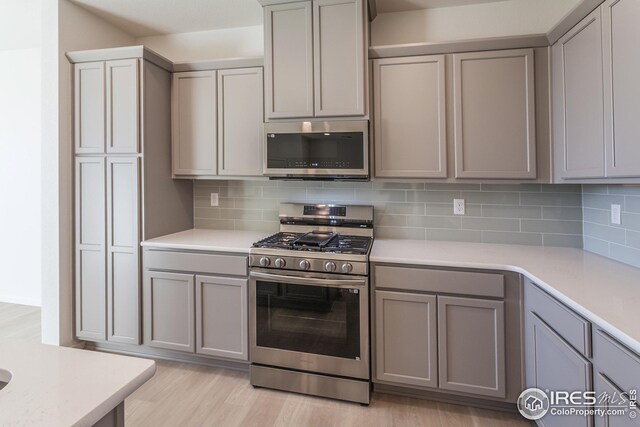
x: 310, y: 322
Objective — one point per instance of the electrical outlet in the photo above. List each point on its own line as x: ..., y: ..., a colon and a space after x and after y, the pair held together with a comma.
x: 615, y: 214
x: 214, y: 199
x: 458, y: 206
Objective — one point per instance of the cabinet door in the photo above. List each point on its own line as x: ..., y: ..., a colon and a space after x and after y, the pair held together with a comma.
x: 339, y: 57
x: 555, y: 365
x: 494, y: 106
x: 123, y: 98
x: 123, y: 253
x: 410, y: 117
x: 622, y: 87
x: 168, y: 311
x: 578, y: 107
x: 605, y: 387
x: 221, y: 317
x: 194, y: 111
x: 471, y: 350
x: 406, y: 342
x: 288, y: 36
x: 89, y: 109
x: 240, y: 117
x: 91, y: 290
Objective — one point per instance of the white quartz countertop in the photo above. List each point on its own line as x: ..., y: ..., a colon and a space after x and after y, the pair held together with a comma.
x: 208, y: 240
x: 58, y: 386
x: 602, y: 290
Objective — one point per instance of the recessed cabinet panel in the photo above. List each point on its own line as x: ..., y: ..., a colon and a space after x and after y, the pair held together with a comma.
x: 603, y: 386
x: 410, y: 117
x: 406, y: 338
x: 221, y: 317
x: 621, y: 33
x: 471, y: 346
x: 338, y: 37
x: 91, y: 292
x: 494, y: 107
x: 194, y: 111
x: 169, y: 317
x: 578, y: 101
x: 123, y: 99
x: 289, y: 60
x: 123, y: 259
x: 552, y: 364
x: 89, y: 88
x: 240, y: 118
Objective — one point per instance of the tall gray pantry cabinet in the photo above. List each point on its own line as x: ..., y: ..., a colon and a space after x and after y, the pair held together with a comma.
x: 123, y: 187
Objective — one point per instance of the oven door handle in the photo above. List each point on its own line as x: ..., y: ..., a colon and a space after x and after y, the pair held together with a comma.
x: 310, y: 281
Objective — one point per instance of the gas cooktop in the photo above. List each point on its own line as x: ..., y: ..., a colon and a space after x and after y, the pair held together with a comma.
x: 317, y: 241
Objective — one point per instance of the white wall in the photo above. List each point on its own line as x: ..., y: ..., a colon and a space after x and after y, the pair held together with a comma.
x: 66, y: 27
x: 202, y: 45
x: 20, y: 192
x: 498, y: 19
x: 20, y: 132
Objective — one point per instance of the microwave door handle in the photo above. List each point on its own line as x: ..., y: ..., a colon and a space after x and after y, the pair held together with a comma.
x: 310, y: 281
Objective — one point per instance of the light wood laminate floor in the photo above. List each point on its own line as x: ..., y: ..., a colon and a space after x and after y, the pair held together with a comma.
x: 183, y: 395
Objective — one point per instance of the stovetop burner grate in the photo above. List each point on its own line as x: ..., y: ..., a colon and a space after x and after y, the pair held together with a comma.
x: 335, y: 244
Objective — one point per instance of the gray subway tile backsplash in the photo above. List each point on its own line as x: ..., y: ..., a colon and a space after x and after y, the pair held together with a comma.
x: 495, y: 213
x: 617, y: 241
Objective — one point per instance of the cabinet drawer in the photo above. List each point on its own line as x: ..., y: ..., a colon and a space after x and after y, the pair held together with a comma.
x: 196, y: 262
x: 617, y: 362
x: 440, y: 281
x: 571, y: 327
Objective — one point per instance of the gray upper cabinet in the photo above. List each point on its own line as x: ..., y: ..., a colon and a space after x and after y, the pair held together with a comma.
x: 90, y: 211
x: 494, y: 114
x: 339, y: 58
x: 315, y: 58
x: 406, y: 339
x: 471, y: 346
x: 240, y: 117
x: 123, y: 100
x: 410, y: 117
x: 123, y: 253
x: 622, y: 87
x: 578, y: 104
x: 289, y: 60
x: 194, y: 111
x: 89, y: 93
x: 168, y: 307
x: 221, y: 317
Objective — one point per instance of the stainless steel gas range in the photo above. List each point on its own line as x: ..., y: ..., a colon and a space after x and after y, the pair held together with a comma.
x: 309, y: 302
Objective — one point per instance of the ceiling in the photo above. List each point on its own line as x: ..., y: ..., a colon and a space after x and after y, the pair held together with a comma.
x: 385, y: 6
x: 142, y: 18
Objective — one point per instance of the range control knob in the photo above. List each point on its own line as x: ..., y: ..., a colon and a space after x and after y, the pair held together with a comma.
x: 265, y: 262
x: 305, y: 264
x: 280, y: 263
x: 330, y: 266
x: 347, y: 268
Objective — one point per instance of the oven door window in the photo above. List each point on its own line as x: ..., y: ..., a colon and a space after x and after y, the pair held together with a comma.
x: 309, y: 319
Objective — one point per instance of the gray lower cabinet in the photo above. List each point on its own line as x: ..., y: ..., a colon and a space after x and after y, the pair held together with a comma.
x: 613, y: 399
x: 554, y: 365
x: 406, y: 338
x: 221, y: 317
x: 494, y: 114
x: 471, y: 346
x: 169, y: 319
x: 192, y: 305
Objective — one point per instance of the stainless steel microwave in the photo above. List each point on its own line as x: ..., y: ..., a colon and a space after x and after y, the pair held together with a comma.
x: 336, y: 150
